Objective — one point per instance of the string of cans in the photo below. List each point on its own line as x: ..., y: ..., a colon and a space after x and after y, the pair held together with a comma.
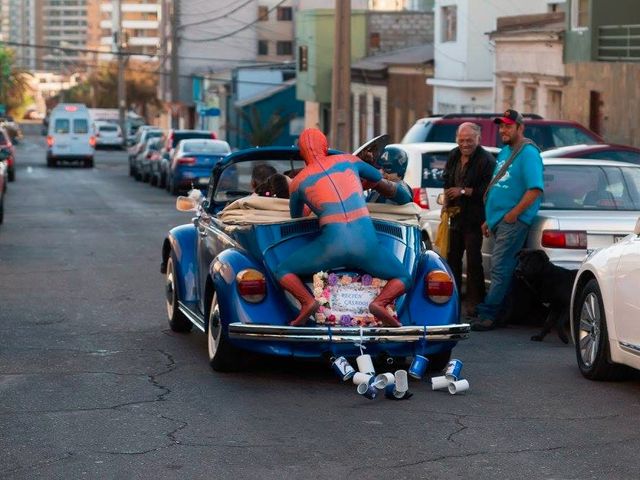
x: 396, y: 385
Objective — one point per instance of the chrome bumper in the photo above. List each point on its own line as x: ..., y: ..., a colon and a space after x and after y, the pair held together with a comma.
x: 438, y: 333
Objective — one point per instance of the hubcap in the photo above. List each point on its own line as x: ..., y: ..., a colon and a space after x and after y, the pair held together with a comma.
x: 213, y: 334
x: 589, y: 329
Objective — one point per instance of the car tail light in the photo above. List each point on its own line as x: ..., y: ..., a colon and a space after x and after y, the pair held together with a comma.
x: 420, y: 197
x: 92, y: 141
x: 564, y: 239
x: 50, y: 141
x: 187, y: 160
x: 252, y: 285
x: 438, y: 286
x: 148, y: 156
x: 213, y: 135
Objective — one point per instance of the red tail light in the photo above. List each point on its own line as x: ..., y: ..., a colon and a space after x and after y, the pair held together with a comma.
x: 187, y: 160
x: 50, y: 141
x: 438, y: 286
x: 92, y: 141
x: 420, y: 197
x: 564, y: 239
x: 148, y: 156
x: 252, y: 285
x: 213, y: 135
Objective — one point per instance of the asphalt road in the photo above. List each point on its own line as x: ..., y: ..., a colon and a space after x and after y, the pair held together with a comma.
x: 94, y: 385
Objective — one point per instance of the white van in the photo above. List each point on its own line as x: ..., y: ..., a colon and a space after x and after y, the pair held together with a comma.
x: 70, y: 136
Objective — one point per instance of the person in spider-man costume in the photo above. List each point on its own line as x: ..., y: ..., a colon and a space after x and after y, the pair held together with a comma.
x: 331, y: 188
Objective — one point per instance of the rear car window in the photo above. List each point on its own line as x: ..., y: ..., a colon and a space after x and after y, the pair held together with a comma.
x: 208, y: 148
x: 178, y: 137
x: 108, y: 128
x: 548, y: 136
x: 80, y: 125
x: 432, y: 169
x: 586, y: 187
x: 61, y: 125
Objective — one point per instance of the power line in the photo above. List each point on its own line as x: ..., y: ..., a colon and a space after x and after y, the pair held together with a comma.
x: 200, y: 22
x: 213, y: 39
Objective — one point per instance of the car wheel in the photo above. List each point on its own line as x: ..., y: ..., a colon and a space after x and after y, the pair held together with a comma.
x: 88, y: 163
x: 162, y: 181
x: 178, y: 322
x: 591, y: 336
x: 438, y: 361
x: 223, y: 357
x: 173, y: 189
x: 132, y: 170
x: 11, y: 174
x: 153, y: 180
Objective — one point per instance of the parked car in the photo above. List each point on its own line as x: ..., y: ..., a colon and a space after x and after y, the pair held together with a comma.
x: 192, y: 162
x: 605, y: 151
x: 70, y: 136
x: 219, y: 275
x: 7, y: 146
x: 586, y: 206
x: 546, y: 133
x: 149, y: 164
x: 173, y: 138
x: 144, y: 134
x: 13, y: 128
x: 604, y: 310
x: 108, y: 134
x: 3, y: 180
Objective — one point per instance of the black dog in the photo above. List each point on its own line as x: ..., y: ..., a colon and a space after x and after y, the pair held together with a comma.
x: 544, y: 284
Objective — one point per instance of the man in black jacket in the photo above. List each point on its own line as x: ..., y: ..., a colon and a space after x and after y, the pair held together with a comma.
x: 466, y: 176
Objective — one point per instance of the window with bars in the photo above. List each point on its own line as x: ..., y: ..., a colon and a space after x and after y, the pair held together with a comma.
x: 263, y: 47
x: 284, y: 48
x: 449, y: 23
x: 285, y: 14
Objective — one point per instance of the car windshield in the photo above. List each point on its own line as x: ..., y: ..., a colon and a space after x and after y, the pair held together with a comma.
x: 179, y: 136
x: 433, y: 164
x: 235, y: 179
x: 548, y: 136
x: 586, y: 187
x: 417, y: 133
x: 206, y: 147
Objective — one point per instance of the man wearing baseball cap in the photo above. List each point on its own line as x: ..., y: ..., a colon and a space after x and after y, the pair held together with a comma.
x: 512, y: 201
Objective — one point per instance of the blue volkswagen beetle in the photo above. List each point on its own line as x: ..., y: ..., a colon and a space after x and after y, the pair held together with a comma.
x: 219, y: 277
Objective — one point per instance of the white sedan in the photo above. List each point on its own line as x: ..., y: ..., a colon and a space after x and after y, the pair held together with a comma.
x: 605, y: 310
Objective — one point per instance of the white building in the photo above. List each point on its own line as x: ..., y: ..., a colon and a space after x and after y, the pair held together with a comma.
x: 18, y: 24
x: 140, y: 23
x: 464, y: 55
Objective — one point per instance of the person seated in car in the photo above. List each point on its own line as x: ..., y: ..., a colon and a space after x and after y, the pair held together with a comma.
x: 393, y: 165
x: 330, y: 186
x: 260, y: 174
x: 276, y: 186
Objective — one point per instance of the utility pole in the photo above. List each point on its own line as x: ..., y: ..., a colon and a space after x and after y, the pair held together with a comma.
x: 341, y: 80
x: 120, y: 46
x: 175, y: 87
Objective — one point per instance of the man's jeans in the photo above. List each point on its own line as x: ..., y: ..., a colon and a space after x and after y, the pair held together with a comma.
x: 509, y: 240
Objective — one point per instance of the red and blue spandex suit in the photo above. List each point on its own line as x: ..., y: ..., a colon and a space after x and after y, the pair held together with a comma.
x: 331, y: 187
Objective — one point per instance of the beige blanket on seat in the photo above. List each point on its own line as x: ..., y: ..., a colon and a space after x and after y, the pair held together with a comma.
x: 255, y: 209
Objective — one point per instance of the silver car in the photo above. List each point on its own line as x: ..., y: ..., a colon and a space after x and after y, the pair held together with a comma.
x: 587, y: 205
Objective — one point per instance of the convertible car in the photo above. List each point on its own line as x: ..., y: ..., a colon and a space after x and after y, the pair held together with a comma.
x: 219, y: 277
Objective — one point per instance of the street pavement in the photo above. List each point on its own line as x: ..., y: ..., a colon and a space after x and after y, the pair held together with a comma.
x: 94, y: 385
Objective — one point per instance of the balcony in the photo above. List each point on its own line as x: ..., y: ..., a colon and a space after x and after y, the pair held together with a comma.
x: 619, y: 43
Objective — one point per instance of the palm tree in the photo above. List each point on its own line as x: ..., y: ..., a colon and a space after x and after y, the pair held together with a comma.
x: 261, y: 133
x: 14, y: 81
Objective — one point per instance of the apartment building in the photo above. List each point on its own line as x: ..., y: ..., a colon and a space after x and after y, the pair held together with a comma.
x: 64, y: 25
x: 19, y: 22
x: 140, y: 24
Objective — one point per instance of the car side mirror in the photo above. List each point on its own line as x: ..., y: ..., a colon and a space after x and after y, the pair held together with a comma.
x: 440, y: 199
x: 637, y: 229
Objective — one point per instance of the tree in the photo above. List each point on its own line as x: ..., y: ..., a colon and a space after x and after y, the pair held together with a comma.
x: 14, y: 82
x: 263, y: 133
x: 100, y: 90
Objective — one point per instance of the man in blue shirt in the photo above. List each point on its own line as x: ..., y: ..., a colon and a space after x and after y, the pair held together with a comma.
x: 512, y: 201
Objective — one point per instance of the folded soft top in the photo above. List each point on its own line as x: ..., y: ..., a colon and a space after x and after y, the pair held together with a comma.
x: 263, y: 210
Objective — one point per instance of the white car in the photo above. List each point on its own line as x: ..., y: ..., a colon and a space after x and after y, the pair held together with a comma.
x: 605, y: 309
x: 108, y: 134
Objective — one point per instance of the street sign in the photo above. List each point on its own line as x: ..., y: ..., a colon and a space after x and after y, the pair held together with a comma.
x: 209, y: 112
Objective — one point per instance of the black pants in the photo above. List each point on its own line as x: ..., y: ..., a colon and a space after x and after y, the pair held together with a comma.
x: 469, y: 239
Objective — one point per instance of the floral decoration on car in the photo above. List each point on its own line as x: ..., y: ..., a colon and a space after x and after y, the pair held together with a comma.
x: 344, y: 299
